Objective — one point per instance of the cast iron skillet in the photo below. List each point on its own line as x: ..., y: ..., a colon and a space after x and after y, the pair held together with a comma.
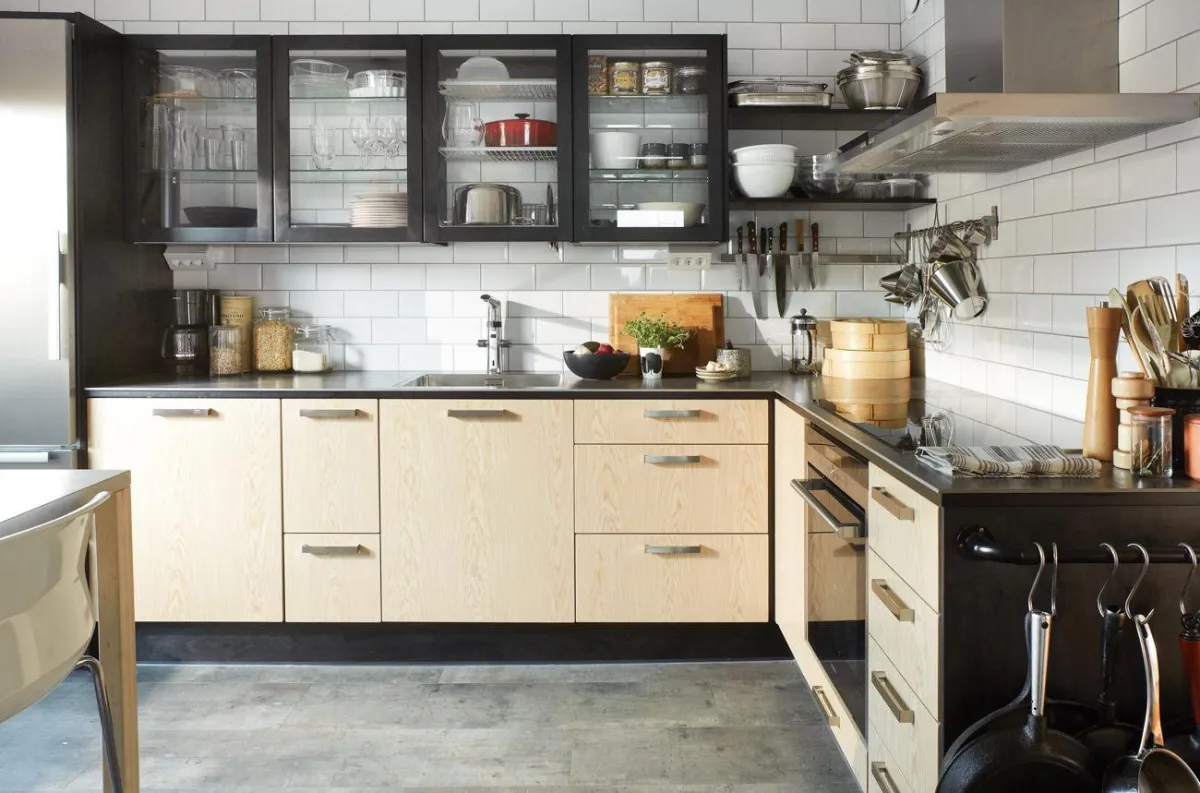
x: 1109, y: 739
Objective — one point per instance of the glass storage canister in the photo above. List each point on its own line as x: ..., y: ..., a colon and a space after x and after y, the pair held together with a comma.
x: 623, y: 78
x: 273, y: 340
x: 654, y: 155
x: 1151, y: 441
x: 225, y: 350
x: 310, y: 352
x: 678, y: 155
x: 690, y: 79
x: 657, y: 77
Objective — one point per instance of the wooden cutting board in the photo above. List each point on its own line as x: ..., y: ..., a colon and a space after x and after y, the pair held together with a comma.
x: 703, y: 313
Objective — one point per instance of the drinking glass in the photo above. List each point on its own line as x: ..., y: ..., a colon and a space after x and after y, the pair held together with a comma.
x: 386, y: 136
x: 230, y: 134
x: 324, y: 146
x: 462, y: 126
x: 360, y: 135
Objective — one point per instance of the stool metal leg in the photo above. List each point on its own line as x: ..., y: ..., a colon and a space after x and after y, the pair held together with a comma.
x: 111, y: 755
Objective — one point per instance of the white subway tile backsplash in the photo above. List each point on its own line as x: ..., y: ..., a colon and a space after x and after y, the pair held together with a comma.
x: 834, y: 11
x: 1096, y: 185
x: 425, y: 304
x: 371, y: 303
x: 1017, y: 200
x: 1033, y: 313
x: 1145, y: 263
x: 343, y: 276
x: 1188, y: 61
x: 289, y: 276
x: 562, y: 276
x: 1095, y: 272
x: 671, y: 10
x: 1075, y: 231
x: 1188, y: 163
x: 343, y: 10
x: 121, y: 9
x: 506, y: 10
x: 452, y: 276
x: 754, y: 35
x: 372, y: 357
x: 861, y: 37
x: 1052, y: 193
x: 1167, y: 20
x: 288, y: 10
x: 386, y: 330
x: 1149, y: 173
x: 507, y: 276
x: 1070, y: 314
x: 534, y: 304
x: 780, y: 63
x: 236, y: 277
x: 623, y: 278
x: 1172, y: 220
x: 616, y: 10
x: 1052, y: 354
x: 397, y: 276
x: 585, y: 304
x: 664, y: 279
x: 458, y: 330
x: 780, y: 10
x: 1035, y: 235
x: 1052, y: 274
x: 1131, y: 35
x: 316, y: 303
x: 1121, y: 226
x: 811, y: 36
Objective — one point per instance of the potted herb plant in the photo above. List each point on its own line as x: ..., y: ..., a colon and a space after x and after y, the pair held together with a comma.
x: 653, y: 336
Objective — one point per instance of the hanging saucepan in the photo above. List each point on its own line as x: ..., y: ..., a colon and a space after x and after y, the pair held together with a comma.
x: 959, y: 285
x: 520, y: 131
x: 1187, y: 745
x: 948, y: 247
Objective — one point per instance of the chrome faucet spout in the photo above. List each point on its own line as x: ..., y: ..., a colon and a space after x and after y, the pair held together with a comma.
x: 495, y: 336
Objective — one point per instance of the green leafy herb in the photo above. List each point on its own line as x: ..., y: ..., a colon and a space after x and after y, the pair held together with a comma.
x: 650, y: 331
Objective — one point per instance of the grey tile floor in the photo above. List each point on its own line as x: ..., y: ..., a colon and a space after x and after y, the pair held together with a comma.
x: 682, y: 728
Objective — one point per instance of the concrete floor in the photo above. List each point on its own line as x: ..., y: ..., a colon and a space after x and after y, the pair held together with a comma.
x: 747, y: 727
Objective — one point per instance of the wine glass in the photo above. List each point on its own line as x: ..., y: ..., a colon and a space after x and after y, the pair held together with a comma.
x: 324, y: 146
x: 360, y: 135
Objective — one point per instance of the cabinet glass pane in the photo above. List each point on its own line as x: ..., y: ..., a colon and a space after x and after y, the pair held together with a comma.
x: 499, y: 143
x: 198, y: 139
x: 348, y: 138
x: 648, y: 139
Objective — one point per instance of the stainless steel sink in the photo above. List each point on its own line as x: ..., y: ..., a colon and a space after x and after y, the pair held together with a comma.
x: 484, y: 381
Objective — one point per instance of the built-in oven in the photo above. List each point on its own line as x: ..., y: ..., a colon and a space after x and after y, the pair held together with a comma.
x: 835, y: 495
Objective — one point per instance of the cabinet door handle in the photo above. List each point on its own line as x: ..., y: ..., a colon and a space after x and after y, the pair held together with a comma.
x: 457, y: 413
x: 351, y: 413
x: 827, y: 710
x: 180, y: 413
x: 891, y: 698
x: 671, y: 414
x: 664, y: 550
x: 331, y: 550
x: 690, y: 459
x: 850, y: 532
x: 883, y: 778
x: 895, y: 506
x: 894, y: 604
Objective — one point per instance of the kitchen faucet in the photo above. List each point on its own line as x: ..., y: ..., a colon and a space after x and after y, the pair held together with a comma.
x: 495, y: 330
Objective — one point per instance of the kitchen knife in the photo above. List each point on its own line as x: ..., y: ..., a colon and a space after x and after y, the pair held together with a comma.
x: 770, y: 241
x: 798, y: 262
x: 812, y: 269
x: 762, y: 242
x: 783, y: 238
x: 780, y: 275
x: 750, y: 232
x: 741, y: 240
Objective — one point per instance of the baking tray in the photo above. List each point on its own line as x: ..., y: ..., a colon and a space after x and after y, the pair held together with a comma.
x: 781, y: 100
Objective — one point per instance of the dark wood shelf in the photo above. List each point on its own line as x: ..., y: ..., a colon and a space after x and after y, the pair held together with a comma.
x: 807, y: 118
x: 739, y: 204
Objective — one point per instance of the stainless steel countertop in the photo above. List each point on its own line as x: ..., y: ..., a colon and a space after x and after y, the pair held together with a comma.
x: 972, y: 411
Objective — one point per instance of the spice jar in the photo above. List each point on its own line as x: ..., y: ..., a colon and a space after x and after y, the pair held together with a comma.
x: 699, y: 155
x: 654, y: 155
x: 239, y: 310
x: 690, y: 79
x: 1151, y: 441
x: 273, y: 340
x: 225, y: 350
x: 597, y: 74
x: 310, y: 351
x: 1191, y: 444
x: 656, y: 77
x: 678, y: 155
x: 623, y: 78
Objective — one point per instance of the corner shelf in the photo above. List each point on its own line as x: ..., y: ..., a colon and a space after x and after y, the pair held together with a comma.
x: 784, y: 203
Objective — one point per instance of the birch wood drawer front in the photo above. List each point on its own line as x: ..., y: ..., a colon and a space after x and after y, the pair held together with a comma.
x: 331, y: 577
x: 671, y: 421
x: 901, y: 722
x: 671, y: 578
x: 883, y: 772
x: 837, y: 717
x: 906, y: 534
x: 330, y: 466
x: 684, y: 489
x: 906, y: 629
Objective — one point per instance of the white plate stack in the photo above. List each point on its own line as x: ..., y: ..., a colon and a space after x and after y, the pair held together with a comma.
x: 379, y: 211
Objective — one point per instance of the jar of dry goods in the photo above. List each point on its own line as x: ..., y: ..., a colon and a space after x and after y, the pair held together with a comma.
x: 1151, y: 441
x: 690, y: 79
x: 623, y: 78
x: 225, y: 350
x: 310, y: 350
x: 657, y: 77
x: 273, y: 340
x: 597, y: 74
x: 239, y: 310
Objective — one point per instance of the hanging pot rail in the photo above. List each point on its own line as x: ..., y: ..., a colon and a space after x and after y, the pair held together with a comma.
x: 990, y: 224
x: 979, y: 544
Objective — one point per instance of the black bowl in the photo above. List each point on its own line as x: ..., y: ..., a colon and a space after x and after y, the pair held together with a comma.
x: 597, y: 366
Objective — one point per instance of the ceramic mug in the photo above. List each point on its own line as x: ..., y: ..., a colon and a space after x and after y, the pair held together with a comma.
x: 651, y: 360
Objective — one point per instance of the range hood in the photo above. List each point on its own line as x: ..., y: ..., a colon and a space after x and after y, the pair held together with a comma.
x: 1011, y: 98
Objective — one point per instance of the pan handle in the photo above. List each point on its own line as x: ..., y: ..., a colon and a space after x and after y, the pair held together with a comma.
x: 1110, y: 651
x: 1190, y: 649
x: 1037, y: 631
x: 1152, y: 737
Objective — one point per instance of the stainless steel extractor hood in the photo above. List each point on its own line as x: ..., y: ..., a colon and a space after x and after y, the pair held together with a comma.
x: 1026, y: 81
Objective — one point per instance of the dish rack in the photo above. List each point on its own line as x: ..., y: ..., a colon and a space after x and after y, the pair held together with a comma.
x: 498, y: 90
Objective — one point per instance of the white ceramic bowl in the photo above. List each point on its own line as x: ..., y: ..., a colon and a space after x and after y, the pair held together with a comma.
x: 691, y: 212
x: 763, y: 180
x: 765, y: 153
x: 615, y: 150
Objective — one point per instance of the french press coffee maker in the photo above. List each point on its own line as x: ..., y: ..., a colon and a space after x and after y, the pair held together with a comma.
x: 804, y: 343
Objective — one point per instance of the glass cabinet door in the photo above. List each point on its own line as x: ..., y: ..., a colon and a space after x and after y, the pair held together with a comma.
x: 344, y: 110
x: 651, y: 138
x: 202, y: 144
x: 498, y: 127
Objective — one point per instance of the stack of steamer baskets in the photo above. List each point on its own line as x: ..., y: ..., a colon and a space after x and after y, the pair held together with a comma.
x: 865, y: 373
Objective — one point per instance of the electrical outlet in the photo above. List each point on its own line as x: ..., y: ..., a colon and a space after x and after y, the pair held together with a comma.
x: 693, y: 260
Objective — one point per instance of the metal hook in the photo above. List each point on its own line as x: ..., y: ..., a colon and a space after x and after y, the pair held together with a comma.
x: 1112, y: 574
x: 1188, y: 582
x: 1145, y: 569
x: 1054, y: 580
x: 1038, y: 576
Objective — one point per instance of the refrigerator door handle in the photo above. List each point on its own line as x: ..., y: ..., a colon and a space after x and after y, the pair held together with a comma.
x: 54, y: 312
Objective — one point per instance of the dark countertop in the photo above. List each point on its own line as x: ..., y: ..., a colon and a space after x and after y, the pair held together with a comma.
x: 977, y: 419
x: 28, y: 498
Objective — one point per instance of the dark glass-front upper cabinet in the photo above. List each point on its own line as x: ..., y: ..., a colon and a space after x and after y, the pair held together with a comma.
x: 497, y: 129
x: 199, y: 153
x: 650, y: 139
x: 346, y: 167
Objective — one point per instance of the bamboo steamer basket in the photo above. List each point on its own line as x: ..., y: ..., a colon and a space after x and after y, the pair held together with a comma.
x: 869, y: 334
x: 867, y: 365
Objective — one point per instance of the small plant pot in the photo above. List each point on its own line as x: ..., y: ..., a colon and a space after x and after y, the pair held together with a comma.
x: 652, y: 360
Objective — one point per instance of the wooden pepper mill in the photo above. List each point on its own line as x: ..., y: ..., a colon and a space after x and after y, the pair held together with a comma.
x: 1100, y: 413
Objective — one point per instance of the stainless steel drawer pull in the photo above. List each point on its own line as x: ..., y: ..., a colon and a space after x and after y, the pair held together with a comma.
x: 332, y: 550
x: 850, y: 532
x: 894, y: 604
x: 826, y: 708
x: 671, y: 414
x: 891, y: 698
x: 664, y: 550
x: 671, y: 458
x: 455, y: 413
x: 895, y: 506
x: 883, y: 778
x: 179, y: 413
x: 352, y: 413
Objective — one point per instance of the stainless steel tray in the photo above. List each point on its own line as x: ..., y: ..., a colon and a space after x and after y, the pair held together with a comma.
x: 781, y: 100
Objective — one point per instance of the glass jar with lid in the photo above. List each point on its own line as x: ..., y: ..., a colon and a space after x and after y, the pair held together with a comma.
x: 310, y: 349
x: 273, y: 340
x: 226, y: 353
x: 1151, y: 437
x: 690, y: 79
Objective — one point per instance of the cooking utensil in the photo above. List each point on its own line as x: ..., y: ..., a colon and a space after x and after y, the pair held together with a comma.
x: 781, y: 268
x: 752, y: 236
x: 872, y: 57
x: 1117, y: 299
x: 741, y: 235
x: 762, y: 241
x: 551, y: 209
x: 1146, y: 295
x: 1109, y: 739
x: 804, y: 344
x: 879, y: 87
x: 1100, y: 409
x: 1182, y: 309
x: 1187, y: 746
x: 783, y: 237
x: 486, y: 205
x: 1153, y: 349
x: 798, y: 263
x: 764, y: 180
x: 815, y: 261
x: 520, y: 131
x: 1034, y: 756
x: 948, y: 248
x: 959, y: 285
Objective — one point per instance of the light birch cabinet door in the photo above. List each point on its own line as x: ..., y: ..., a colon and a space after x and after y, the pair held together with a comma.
x: 331, y: 577
x: 330, y: 466
x: 207, y: 519
x: 791, y: 538
x: 477, y: 511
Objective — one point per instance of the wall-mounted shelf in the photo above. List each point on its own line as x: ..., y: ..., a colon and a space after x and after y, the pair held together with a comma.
x: 806, y: 258
x: 785, y: 203
x: 807, y: 118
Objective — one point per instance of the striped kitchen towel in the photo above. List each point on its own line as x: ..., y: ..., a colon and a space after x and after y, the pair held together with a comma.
x: 1007, y: 461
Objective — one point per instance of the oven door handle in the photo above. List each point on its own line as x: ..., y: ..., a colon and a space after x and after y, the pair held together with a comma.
x: 850, y: 532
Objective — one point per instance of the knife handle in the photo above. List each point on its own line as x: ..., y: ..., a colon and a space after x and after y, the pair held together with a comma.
x: 741, y: 240
x: 770, y: 240
x: 762, y: 240
x: 783, y: 237
x: 816, y: 237
x: 799, y: 236
x: 753, y: 242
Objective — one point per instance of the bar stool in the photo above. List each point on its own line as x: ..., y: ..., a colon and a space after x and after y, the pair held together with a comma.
x: 48, y: 616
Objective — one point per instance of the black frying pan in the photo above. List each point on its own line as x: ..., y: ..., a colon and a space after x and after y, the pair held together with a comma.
x: 1109, y: 739
x: 1031, y: 758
